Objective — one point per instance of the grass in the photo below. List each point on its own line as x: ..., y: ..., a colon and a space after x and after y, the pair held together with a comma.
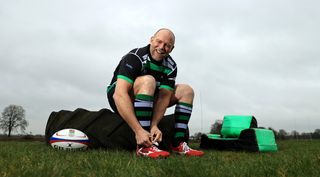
x: 294, y: 158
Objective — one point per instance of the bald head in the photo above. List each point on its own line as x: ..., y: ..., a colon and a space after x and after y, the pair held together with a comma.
x: 161, y: 43
x: 167, y: 32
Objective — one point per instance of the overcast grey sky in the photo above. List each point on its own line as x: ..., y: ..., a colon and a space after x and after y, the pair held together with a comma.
x: 246, y: 57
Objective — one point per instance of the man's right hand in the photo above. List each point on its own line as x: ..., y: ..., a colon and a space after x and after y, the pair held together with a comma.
x: 143, y: 138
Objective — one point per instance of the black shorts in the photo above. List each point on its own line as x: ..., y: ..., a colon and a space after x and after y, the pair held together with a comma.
x: 111, y: 101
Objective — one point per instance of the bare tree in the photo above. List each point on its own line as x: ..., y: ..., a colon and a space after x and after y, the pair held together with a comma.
x: 216, y: 127
x: 295, y: 134
x: 282, y: 134
x: 316, y: 134
x: 197, y: 136
x: 12, y: 119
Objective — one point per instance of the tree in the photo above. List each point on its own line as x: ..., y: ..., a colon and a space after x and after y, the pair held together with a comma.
x: 282, y: 134
x: 316, y: 134
x: 295, y: 134
x: 216, y: 127
x: 12, y: 119
x: 197, y: 136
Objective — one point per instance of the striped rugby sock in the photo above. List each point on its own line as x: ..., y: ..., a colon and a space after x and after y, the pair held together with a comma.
x: 143, y: 107
x: 182, y: 115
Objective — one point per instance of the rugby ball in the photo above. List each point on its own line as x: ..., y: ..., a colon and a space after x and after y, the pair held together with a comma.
x: 69, y: 139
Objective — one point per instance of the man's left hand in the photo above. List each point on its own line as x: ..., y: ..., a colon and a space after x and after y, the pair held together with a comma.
x: 156, y: 134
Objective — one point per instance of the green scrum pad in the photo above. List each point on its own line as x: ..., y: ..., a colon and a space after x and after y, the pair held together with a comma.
x: 262, y: 140
x: 253, y: 139
x: 234, y: 124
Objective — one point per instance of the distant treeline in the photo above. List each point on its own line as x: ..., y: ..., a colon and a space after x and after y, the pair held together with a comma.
x: 283, y: 135
x: 4, y: 137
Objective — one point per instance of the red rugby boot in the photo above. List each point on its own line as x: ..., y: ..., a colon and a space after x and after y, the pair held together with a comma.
x: 152, y: 152
x: 184, y: 149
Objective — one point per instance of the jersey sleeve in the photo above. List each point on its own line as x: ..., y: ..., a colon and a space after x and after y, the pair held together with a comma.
x: 129, y: 68
x: 169, y: 81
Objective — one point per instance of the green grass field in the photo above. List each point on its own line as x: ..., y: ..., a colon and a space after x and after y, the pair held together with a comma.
x: 32, y: 159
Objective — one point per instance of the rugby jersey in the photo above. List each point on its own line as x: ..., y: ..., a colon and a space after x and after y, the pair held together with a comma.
x: 138, y: 62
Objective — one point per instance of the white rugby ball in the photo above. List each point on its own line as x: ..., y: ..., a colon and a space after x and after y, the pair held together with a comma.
x: 69, y: 139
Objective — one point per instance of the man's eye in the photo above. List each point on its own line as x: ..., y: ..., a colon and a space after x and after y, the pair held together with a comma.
x: 169, y: 46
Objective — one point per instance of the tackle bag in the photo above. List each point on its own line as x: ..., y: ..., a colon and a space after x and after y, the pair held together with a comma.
x: 104, y: 128
x: 240, y: 133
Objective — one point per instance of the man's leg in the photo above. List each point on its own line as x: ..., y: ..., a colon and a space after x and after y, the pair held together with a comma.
x: 183, y: 98
x: 144, y: 88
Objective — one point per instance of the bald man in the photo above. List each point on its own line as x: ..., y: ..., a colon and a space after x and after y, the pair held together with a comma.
x: 143, y: 87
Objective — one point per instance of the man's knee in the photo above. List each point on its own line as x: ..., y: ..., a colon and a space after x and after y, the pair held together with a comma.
x: 185, y: 90
x: 184, y: 93
x: 145, y: 84
x: 146, y: 80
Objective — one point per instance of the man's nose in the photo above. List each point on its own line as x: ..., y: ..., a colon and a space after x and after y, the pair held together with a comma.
x: 161, y: 46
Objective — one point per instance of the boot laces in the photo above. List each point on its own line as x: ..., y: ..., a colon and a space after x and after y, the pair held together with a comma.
x: 185, y: 147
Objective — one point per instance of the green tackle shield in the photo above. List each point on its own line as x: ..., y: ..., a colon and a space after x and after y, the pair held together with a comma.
x: 234, y: 124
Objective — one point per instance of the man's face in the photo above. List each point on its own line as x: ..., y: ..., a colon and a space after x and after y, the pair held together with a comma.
x: 161, y: 44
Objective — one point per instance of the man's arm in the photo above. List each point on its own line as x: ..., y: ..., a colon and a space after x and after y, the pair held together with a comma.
x: 160, y: 107
x: 125, y: 108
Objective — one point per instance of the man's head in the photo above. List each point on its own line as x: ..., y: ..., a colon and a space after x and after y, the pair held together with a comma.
x: 161, y: 44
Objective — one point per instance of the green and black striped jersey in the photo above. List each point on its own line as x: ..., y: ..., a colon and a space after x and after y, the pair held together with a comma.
x: 138, y: 62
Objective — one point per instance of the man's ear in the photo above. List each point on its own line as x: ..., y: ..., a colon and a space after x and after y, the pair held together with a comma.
x: 151, y: 39
x: 172, y: 48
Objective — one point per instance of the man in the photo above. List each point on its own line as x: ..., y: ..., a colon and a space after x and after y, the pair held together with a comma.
x: 142, y: 88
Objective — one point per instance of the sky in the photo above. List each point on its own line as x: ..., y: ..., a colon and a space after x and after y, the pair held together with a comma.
x: 242, y: 57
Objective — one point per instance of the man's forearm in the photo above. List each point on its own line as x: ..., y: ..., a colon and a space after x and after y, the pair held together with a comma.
x: 160, y: 107
x: 126, y: 110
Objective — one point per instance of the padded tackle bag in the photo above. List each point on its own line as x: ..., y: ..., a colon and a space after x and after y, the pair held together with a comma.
x: 252, y: 139
x: 104, y: 128
x: 240, y: 133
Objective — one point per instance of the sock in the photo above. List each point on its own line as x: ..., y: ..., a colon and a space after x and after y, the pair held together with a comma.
x: 182, y: 115
x: 143, y: 107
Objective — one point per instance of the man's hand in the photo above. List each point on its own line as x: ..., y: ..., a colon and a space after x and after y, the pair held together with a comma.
x: 143, y: 138
x: 156, y: 134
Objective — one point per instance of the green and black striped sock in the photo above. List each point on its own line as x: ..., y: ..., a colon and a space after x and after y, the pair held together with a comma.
x: 143, y: 107
x: 182, y: 115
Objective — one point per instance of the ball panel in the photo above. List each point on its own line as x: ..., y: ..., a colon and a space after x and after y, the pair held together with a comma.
x: 70, y: 134
x: 69, y: 145
x: 53, y: 140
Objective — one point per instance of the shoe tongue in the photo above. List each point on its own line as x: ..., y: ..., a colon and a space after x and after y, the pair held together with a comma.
x: 155, y: 143
x: 185, y: 146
